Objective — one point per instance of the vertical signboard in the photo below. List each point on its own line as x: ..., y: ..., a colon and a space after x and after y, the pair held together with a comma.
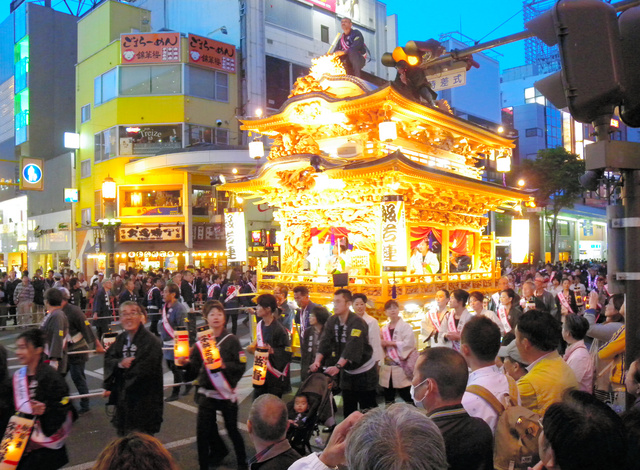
x: 394, y: 234
x: 150, y: 48
x: 31, y: 173
x: 236, y: 236
x: 519, y: 241
x: 212, y: 54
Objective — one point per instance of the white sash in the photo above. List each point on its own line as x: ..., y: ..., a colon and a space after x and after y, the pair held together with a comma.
x: 453, y: 329
x: 253, y: 288
x: 234, y: 293
x: 564, y: 302
x: 433, y: 316
x: 262, y: 344
x: 165, y: 323
x: 210, y: 290
x: 392, y: 351
x: 217, y: 379
x: 150, y: 293
x: 502, y: 313
x: 22, y: 401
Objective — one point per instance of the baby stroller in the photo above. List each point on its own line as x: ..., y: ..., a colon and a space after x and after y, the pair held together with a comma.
x: 317, y: 388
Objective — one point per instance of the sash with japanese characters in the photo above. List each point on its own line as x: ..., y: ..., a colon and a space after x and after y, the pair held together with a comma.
x: 212, y: 365
x: 392, y: 351
x: 22, y: 401
x: 452, y: 328
x: 167, y: 325
x: 433, y: 316
x: 261, y: 362
x: 565, y: 302
x: 502, y: 314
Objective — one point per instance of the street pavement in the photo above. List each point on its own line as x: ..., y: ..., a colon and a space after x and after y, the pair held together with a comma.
x: 93, y: 431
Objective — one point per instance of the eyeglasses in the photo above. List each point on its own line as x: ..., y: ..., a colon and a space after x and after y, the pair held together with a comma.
x: 129, y: 315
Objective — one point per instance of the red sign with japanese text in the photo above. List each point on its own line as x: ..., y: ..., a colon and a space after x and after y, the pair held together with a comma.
x: 212, y: 54
x: 150, y: 48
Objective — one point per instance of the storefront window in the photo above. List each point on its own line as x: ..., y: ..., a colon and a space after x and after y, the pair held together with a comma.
x: 105, y: 145
x: 149, y: 140
x: 206, y: 135
x: 201, y: 201
x: 151, y: 202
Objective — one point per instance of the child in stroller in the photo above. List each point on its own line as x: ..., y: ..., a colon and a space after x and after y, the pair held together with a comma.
x: 312, y: 405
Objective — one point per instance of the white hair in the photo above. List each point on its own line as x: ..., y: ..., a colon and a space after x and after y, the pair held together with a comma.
x: 396, y: 438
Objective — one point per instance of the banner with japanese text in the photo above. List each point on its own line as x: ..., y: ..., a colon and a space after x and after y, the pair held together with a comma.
x: 236, y: 236
x: 394, y: 234
x: 150, y: 48
x: 212, y: 54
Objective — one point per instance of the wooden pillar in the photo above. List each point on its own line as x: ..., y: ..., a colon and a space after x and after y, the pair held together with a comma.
x: 477, y: 236
x: 444, y: 252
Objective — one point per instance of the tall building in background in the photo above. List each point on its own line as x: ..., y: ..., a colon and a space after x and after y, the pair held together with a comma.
x: 536, y: 52
x: 37, y: 95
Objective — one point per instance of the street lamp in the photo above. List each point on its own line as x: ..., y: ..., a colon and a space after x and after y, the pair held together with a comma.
x: 109, y: 224
x: 222, y: 29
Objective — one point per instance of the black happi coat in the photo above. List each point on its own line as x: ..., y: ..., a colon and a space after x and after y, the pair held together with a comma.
x: 137, y: 391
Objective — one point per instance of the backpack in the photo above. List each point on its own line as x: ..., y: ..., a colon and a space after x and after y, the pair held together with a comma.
x: 515, y: 444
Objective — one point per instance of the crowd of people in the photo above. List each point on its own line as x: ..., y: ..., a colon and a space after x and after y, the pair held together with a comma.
x: 546, y: 347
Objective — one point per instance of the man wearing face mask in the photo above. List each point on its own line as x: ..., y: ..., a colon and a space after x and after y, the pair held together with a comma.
x: 439, y: 382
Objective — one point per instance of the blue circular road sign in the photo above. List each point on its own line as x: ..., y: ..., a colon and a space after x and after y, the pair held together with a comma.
x: 32, y: 173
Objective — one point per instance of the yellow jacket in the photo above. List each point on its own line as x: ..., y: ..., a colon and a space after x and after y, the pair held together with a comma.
x: 614, y: 349
x: 545, y: 383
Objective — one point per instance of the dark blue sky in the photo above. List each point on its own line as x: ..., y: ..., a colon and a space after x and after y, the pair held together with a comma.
x: 424, y: 19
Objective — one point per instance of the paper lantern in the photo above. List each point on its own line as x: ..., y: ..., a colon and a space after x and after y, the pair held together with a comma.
x: 181, y: 343
x: 260, y: 362
x: 14, y: 441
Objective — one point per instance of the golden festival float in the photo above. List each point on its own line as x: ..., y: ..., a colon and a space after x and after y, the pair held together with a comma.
x: 379, y: 188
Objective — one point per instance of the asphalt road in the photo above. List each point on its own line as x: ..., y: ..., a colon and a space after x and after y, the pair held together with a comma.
x: 93, y: 431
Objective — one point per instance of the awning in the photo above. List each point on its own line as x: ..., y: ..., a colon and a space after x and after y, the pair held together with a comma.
x: 126, y: 247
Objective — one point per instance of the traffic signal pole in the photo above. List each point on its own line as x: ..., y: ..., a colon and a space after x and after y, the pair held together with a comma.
x: 452, y: 55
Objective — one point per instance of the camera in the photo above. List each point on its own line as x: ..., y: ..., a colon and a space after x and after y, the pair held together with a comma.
x: 219, y: 122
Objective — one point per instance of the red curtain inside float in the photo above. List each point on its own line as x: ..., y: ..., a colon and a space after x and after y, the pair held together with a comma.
x: 329, y: 232
x: 458, y: 241
x: 417, y: 234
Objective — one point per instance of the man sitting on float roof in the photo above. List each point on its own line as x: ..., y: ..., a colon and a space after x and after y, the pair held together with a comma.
x: 351, y: 48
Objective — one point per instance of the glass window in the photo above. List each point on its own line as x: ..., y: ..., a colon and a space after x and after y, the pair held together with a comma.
x: 222, y: 87
x: 135, y: 80
x: 85, y: 216
x: 151, y: 202
x: 149, y: 140
x: 201, y: 199
x: 166, y: 79
x: 97, y: 204
x: 109, y: 85
x: 222, y: 136
x: 201, y: 83
x: 105, y: 145
x: 97, y: 91
x: 324, y: 34
x: 85, y: 113
x: 20, y: 22
x: 105, y: 87
x: 529, y: 93
x: 85, y: 168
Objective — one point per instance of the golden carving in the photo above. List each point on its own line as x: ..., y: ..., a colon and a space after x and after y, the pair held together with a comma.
x: 293, y: 143
x: 306, y: 84
x: 297, y: 180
